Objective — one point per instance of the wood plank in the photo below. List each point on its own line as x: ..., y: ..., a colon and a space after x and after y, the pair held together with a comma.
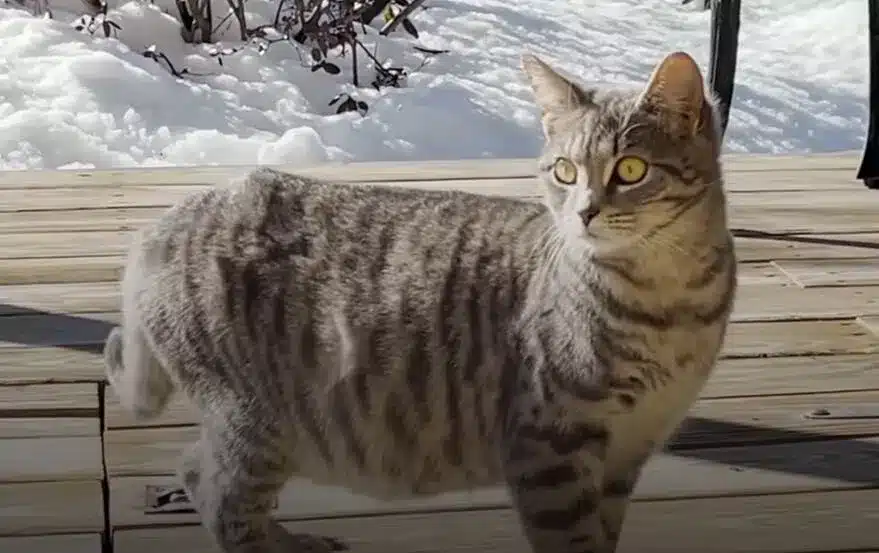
x: 394, y: 172
x: 747, y: 339
x: 766, y: 419
x: 114, y: 243
x: 57, y: 270
x: 64, y: 244
x: 842, y: 211
x: 773, y: 214
x: 95, y: 297
x: 66, y: 297
x: 792, y: 375
x: 776, y: 339
x: 48, y: 400
x: 807, y: 246
x: 845, y: 163
x: 760, y: 297
x: 78, y: 220
x: 765, y: 524
x: 781, y: 468
x: 518, y: 174
x: 829, y: 161
x: 42, y: 459
x: 733, y: 378
x: 766, y: 293
x: 815, y: 273
x: 51, y: 508
x: 54, y: 427
x: 795, y: 202
x: 711, y: 423
x: 62, y: 543
x: 36, y: 365
x: 140, y: 195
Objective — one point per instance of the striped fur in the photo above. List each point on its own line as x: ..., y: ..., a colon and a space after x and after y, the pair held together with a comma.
x: 401, y: 342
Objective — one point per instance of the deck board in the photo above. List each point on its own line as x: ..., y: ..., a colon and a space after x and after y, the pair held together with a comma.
x: 63, y: 543
x: 750, y: 471
x: 784, y: 523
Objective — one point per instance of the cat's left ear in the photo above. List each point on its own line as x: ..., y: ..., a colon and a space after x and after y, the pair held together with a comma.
x: 676, y: 91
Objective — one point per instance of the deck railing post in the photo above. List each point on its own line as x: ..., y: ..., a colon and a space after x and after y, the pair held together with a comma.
x: 725, y: 15
x: 869, y: 171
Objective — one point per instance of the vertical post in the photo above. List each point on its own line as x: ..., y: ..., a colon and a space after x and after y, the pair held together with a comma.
x: 725, y: 16
x: 869, y: 171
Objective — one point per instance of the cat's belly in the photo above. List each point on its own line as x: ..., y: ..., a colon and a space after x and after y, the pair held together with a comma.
x: 400, y: 479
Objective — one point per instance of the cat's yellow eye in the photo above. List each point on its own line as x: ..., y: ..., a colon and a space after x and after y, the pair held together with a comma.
x: 565, y: 171
x: 630, y: 169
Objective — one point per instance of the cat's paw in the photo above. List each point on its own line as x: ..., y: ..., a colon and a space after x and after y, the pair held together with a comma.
x: 306, y: 543
x: 310, y: 543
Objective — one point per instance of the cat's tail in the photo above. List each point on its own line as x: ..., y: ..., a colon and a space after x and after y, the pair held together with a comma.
x: 139, y: 380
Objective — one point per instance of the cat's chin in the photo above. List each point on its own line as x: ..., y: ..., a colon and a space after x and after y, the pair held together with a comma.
x: 585, y: 244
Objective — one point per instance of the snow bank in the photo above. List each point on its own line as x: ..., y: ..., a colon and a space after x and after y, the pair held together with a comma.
x: 70, y: 100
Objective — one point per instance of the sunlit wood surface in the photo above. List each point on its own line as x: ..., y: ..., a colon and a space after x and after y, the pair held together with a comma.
x: 780, y: 455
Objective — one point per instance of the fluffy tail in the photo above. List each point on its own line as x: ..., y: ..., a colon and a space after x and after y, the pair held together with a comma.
x: 141, y: 383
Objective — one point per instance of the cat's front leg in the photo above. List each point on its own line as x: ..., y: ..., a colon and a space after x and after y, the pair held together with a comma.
x: 555, y: 473
x: 616, y: 496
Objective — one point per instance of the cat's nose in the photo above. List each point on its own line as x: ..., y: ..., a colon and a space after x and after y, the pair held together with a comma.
x: 588, y: 214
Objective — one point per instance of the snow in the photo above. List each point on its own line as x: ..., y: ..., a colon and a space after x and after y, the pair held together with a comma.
x: 71, y: 100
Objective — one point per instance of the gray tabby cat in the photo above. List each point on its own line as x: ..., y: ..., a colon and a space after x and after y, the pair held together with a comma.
x: 402, y: 342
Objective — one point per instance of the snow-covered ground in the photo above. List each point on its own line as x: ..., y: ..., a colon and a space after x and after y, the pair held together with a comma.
x: 70, y: 100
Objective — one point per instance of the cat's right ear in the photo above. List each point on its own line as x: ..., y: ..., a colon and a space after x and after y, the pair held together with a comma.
x: 554, y: 93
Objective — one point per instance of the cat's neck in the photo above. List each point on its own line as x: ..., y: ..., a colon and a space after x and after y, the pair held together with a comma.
x: 655, y: 274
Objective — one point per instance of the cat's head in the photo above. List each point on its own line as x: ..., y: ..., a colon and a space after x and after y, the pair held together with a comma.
x: 620, y: 164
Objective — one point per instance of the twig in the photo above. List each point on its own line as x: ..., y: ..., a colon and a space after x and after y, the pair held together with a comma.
x: 238, y: 10
x: 355, y: 78
x: 404, y: 13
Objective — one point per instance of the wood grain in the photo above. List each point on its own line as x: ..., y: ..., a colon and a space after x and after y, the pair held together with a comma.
x: 822, y: 521
x: 39, y: 365
x: 63, y: 543
x: 49, y: 400
x: 78, y: 220
x: 51, y: 508
x: 51, y: 459
x: 54, y: 427
x: 711, y: 423
x: 57, y: 270
x: 820, y: 273
x: 110, y: 242
x: 807, y: 170
x: 77, y: 293
x: 845, y: 210
x: 721, y: 472
x: 733, y: 378
x: 752, y: 470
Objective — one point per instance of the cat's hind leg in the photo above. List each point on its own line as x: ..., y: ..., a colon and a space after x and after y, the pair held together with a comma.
x: 141, y: 383
x: 555, y: 473
x: 233, y: 478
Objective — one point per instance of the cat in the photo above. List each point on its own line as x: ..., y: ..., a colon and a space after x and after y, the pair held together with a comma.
x: 405, y: 343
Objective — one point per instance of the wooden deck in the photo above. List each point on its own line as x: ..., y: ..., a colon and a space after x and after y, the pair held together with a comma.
x: 780, y: 455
